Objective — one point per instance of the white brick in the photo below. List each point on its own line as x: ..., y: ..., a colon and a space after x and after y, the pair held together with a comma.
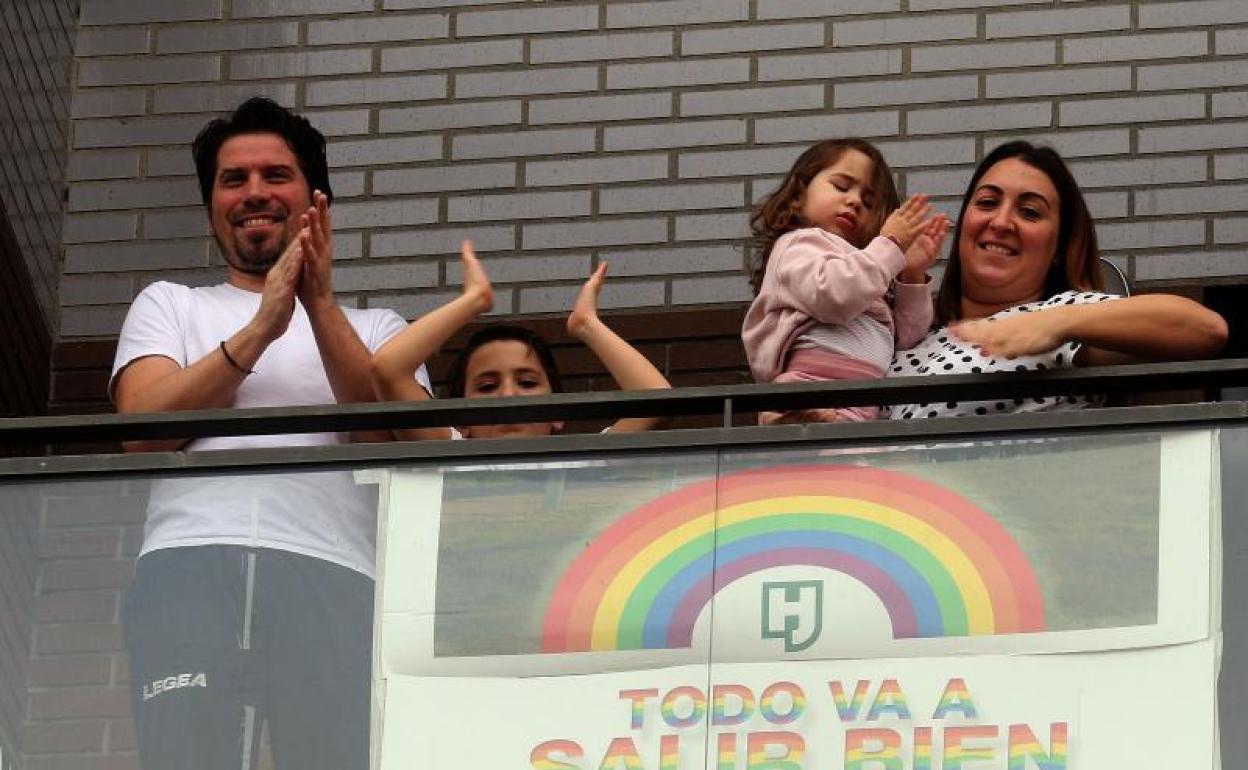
x: 1107, y: 205
x: 367, y: 152
x: 373, y: 277
x: 980, y: 118
x: 218, y: 97
x: 112, y: 42
x: 195, y: 38
x: 982, y: 56
x: 1133, y: 109
x: 814, y: 128
x: 121, y: 257
x: 944, y: 5
x: 389, y: 212
x: 587, y: 109
x: 170, y: 162
x: 462, y: 115
x: 909, y: 90
x: 678, y: 13
x: 767, y: 160
x: 1230, y: 166
x: 385, y: 28
x: 712, y: 227
x: 1230, y: 105
x: 829, y: 65
x: 1139, y: 171
x: 1063, y: 21
x: 746, y: 100
x: 755, y: 37
x: 1067, y: 80
x: 264, y: 8
x: 941, y: 182
x: 620, y: 168
x: 333, y: 123
x: 99, y: 12
x: 805, y: 9
x: 714, y: 258
x: 1209, y: 74
x: 525, y: 20
x: 1191, y: 200
x: 1188, y: 264
x: 185, y: 223
x: 608, y: 47
x: 100, y: 227
x: 104, y: 196
x: 927, y: 152
x: 1224, y: 231
x: 1228, y: 42
x: 508, y: 145
x: 526, y: 81
x: 1150, y: 234
x: 108, y: 102
x: 686, y: 133
x: 679, y: 73
x: 711, y: 289
x: 1193, y: 137
x: 671, y: 197
x: 528, y: 268
x: 1083, y: 144
x: 910, y: 29
x: 96, y: 290
x: 615, y: 294
x: 409, y: 88
x: 601, y: 233
x: 1193, y: 13
x: 301, y: 64
x: 1078, y: 50
x: 454, y: 55
x: 145, y: 70
x: 524, y: 205
x: 95, y: 321
x: 440, y: 240
x: 432, y: 179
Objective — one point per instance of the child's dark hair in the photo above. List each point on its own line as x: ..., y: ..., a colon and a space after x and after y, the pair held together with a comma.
x: 259, y: 115
x: 781, y: 211
x: 457, y: 379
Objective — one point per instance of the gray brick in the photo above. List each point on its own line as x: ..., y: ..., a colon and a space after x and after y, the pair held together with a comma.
x: 1083, y: 144
x: 1189, y: 264
x: 226, y: 37
x: 1151, y: 234
x: 586, y: 109
x: 671, y: 197
x: 348, y: 246
x: 1078, y: 50
x: 103, y: 165
x: 440, y: 240
x: 829, y: 65
x: 412, y: 306
x: 1230, y: 166
x: 609, y: 47
x: 767, y: 160
x: 103, y: 227
x: 676, y: 13
x: 112, y: 42
x: 409, y: 88
x: 171, y: 162
x: 218, y: 97
x: 678, y: 73
x: 524, y: 269
x: 1192, y: 14
x: 465, y: 115
x: 1067, y: 80
x: 1107, y: 205
x: 686, y: 133
x: 509, y: 145
x: 615, y: 294
x: 301, y: 64
x: 547, y: 299
x: 711, y: 289
x: 522, y: 205
x: 1133, y: 109
x: 390, y: 212
x: 982, y: 56
x: 440, y: 57
x: 369, y: 152
x: 755, y: 37
x: 1191, y: 200
x: 1231, y: 105
x: 385, y: 28
x: 117, y: 257
x: 526, y: 20
x: 816, y: 127
x: 903, y: 30
x: 264, y: 8
x: 163, y: 69
x: 908, y: 90
x: 615, y: 232
x: 190, y: 223
x: 927, y: 152
x: 712, y: 227
x: 619, y: 168
x: 1207, y: 74
x: 460, y: 176
x: 347, y: 184
x: 103, y: 196
x: 407, y: 5
x: 526, y: 81
x: 371, y: 277
x: 980, y: 118
x: 714, y: 258
x: 939, y: 182
x: 1224, y: 231
x: 1228, y: 42
x: 1193, y: 137
x: 339, y: 122
x: 92, y: 321
x: 108, y: 102
x: 944, y: 5
x: 746, y: 100
x: 1063, y: 21
x: 96, y: 290
x: 95, y: 12
x: 805, y: 9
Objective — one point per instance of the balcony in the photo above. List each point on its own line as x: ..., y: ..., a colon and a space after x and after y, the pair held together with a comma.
x: 1031, y: 591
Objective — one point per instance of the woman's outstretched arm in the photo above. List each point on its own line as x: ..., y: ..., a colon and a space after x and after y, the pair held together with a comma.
x: 393, y: 367
x: 631, y: 370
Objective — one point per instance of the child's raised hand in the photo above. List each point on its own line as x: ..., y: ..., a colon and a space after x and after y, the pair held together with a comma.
x: 477, y: 288
x: 585, y: 309
x: 905, y: 224
x: 923, y: 253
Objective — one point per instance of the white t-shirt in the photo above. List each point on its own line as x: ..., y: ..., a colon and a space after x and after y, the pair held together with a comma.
x: 322, y: 514
x: 942, y: 353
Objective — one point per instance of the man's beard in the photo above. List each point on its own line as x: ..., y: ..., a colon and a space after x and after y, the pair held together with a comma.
x: 253, y: 258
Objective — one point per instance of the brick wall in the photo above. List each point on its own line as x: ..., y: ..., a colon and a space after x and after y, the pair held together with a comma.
x: 562, y: 133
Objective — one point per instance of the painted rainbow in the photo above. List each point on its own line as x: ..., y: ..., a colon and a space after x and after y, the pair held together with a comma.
x: 939, y: 565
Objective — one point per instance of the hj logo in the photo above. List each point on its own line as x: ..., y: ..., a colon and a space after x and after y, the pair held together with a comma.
x: 793, y: 611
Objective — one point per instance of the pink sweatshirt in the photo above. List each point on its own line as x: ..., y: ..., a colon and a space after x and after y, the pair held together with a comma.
x: 816, y: 277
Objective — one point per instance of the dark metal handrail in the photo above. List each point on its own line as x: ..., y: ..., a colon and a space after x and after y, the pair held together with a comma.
x: 725, y: 400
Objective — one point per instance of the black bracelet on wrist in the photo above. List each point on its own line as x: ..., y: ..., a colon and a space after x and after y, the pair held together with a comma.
x: 234, y: 363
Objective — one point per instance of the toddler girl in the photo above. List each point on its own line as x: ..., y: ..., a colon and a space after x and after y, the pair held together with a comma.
x: 842, y: 275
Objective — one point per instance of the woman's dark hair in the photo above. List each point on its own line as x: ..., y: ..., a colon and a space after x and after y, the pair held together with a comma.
x: 781, y: 212
x: 259, y: 115
x: 1075, y: 264
x: 457, y: 380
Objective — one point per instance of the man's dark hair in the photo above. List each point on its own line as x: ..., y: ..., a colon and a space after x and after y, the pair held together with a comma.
x: 457, y: 379
x: 260, y: 115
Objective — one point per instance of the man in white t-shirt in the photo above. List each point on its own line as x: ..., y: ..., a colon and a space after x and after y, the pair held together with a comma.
x: 252, y: 598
